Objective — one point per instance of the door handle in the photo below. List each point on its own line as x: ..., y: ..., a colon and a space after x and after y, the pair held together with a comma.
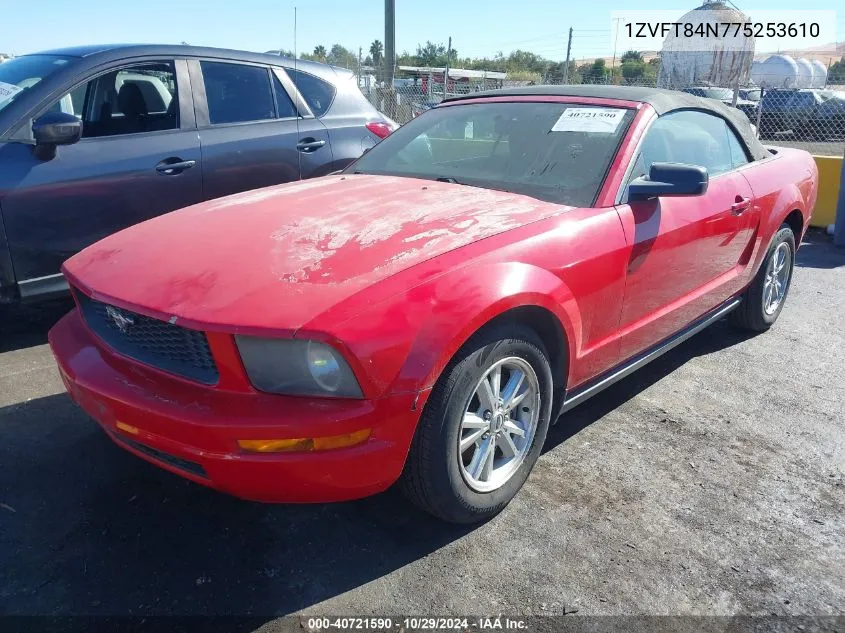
x: 310, y: 145
x: 741, y: 205
x: 173, y: 166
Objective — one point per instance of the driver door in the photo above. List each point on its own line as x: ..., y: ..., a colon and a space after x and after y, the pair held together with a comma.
x: 137, y: 118
x: 687, y: 252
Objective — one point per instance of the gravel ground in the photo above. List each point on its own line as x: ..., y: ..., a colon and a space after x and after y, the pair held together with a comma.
x: 709, y: 483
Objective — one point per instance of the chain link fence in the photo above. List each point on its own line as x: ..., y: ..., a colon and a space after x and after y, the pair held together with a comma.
x: 808, y: 118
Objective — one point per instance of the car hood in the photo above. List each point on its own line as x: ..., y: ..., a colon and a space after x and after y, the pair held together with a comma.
x: 275, y: 258
x: 739, y: 102
x: 834, y: 104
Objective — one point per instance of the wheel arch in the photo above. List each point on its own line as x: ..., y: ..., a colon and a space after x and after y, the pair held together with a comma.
x: 795, y: 220
x: 546, y: 325
x: 535, y: 298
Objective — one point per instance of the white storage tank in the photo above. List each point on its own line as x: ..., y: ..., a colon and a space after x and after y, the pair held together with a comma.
x: 820, y: 74
x: 714, y: 61
x: 805, y: 73
x: 778, y: 71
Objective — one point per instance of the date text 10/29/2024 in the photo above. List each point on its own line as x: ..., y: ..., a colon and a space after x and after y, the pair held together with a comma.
x: 420, y: 623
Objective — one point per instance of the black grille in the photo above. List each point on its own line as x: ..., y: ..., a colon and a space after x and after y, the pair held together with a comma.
x: 163, y: 345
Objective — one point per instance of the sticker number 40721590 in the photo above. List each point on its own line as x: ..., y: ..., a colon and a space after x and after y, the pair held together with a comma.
x: 8, y: 90
x: 604, y: 120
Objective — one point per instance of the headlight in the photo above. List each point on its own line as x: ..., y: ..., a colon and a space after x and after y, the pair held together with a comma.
x: 295, y: 367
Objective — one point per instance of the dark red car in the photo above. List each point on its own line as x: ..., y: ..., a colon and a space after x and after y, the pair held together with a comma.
x: 423, y: 316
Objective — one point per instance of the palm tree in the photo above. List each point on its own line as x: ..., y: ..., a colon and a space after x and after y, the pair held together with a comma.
x: 376, y: 51
x: 320, y: 53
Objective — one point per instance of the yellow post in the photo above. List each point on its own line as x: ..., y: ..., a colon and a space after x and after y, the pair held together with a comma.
x: 830, y: 177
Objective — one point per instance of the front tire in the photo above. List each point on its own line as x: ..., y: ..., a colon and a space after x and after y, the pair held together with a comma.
x: 483, y: 427
x: 763, y: 301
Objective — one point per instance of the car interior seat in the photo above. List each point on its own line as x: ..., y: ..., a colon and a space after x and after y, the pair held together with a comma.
x: 131, y: 102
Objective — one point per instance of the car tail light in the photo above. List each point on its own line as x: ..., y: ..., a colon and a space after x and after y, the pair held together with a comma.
x: 379, y: 128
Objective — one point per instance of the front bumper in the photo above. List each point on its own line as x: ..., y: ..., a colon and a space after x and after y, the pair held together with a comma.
x: 192, y: 429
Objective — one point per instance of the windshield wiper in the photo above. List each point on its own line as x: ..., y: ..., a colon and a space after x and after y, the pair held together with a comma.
x: 448, y: 179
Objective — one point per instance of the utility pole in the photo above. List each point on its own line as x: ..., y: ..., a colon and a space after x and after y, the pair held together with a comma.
x: 360, y: 68
x: 568, y: 51
x: 615, y: 40
x: 446, y: 70
x: 389, y: 42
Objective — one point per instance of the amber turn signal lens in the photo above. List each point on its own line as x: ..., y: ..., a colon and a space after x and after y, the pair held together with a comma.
x: 305, y: 443
x: 126, y: 428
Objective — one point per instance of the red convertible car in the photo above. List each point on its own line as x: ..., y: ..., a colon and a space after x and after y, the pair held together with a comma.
x: 423, y: 316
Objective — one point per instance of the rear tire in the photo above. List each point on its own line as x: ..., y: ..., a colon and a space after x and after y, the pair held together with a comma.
x: 763, y: 300
x: 468, y: 485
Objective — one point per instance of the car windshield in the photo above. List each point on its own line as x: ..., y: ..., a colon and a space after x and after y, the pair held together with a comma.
x: 718, y: 93
x: 556, y: 152
x: 21, y: 73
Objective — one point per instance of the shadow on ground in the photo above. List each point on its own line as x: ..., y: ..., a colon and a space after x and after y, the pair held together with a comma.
x: 717, y: 337
x: 26, y: 325
x: 817, y: 251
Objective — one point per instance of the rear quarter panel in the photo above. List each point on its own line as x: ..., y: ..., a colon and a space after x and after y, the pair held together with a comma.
x: 346, y: 122
x: 786, y: 182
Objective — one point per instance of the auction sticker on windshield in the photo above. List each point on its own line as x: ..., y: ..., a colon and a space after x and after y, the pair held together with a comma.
x: 8, y: 90
x: 589, y: 120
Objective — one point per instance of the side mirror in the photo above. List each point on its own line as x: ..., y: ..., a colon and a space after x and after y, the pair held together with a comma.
x: 53, y: 129
x: 669, y: 179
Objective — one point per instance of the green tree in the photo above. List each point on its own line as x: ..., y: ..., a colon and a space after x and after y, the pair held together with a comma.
x: 836, y: 73
x: 406, y: 59
x: 320, y: 53
x: 341, y: 56
x: 557, y: 72
x: 633, y: 71
x: 632, y: 56
x: 638, y: 73
x: 428, y: 53
x: 593, y: 73
x: 520, y: 60
x: 377, y: 52
x: 435, y: 55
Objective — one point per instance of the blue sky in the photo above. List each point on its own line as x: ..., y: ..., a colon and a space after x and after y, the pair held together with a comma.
x: 477, y: 27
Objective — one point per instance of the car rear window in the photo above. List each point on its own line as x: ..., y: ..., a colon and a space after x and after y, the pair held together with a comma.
x: 777, y: 98
x: 318, y: 94
x: 558, y: 152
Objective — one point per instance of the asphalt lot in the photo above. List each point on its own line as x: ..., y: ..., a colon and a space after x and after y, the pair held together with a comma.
x: 709, y: 483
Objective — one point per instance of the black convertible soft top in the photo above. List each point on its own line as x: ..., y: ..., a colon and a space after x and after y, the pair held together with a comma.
x: 663, y: 101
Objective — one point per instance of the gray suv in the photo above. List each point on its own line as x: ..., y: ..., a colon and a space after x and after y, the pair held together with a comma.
x: 97, y: 138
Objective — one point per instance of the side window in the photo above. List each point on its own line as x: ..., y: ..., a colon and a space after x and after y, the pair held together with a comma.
x: 691, y: 137
x: 284, y: 105
x: 237, y: 93
x: 739, y: 156
x: 73, y: 102
x: 129, y: 100
x: 318, y: 94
